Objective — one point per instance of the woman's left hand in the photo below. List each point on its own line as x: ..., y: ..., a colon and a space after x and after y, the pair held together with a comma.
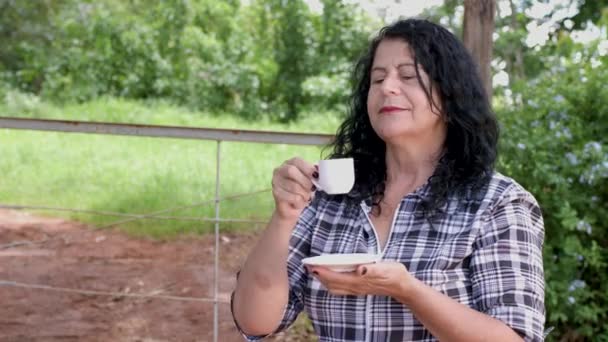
x: 387, y: 278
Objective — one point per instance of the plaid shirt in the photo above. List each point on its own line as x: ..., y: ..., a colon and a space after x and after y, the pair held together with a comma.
x: 484, y: 250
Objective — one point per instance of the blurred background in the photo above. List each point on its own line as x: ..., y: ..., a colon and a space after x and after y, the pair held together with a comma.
x: 284, y: 66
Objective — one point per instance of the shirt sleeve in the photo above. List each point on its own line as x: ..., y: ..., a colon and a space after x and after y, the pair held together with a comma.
x: 507, y: 267
x: 299, y: 248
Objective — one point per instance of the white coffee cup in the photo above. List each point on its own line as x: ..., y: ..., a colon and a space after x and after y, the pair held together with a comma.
x: 336, y: 176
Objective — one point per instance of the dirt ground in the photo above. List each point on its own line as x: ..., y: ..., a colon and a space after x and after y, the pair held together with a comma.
x: 65, y: 254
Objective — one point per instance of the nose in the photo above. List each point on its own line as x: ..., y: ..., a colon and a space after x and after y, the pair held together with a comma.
x: 390, y: 86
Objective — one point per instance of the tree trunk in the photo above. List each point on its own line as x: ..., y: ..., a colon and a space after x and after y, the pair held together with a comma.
x: 478, y: 27
x: 518, y: 58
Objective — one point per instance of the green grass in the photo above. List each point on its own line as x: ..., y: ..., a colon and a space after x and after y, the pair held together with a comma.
x: 141, y: 175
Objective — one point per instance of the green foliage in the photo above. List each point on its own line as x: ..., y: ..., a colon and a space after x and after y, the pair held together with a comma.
x: 555, y: 143
x: 449, y: 14
x: 338, y: 34
x: 343, y: 35
x: 211, y: 55
x: 590, y: 11
x: 292, y: 45
x: 329, y: 91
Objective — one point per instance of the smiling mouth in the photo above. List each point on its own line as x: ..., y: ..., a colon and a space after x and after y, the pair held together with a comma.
x: 391, y: 109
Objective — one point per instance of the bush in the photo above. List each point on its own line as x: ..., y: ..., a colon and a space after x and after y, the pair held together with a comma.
x: 329, y: 90
x: 222, y: 56
x: 554, y: 142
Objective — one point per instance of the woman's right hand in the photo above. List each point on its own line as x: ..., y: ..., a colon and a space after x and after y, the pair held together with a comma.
x: 292, y: 188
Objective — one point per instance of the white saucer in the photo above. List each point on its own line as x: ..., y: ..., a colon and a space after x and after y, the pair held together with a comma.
x: 342, y: 262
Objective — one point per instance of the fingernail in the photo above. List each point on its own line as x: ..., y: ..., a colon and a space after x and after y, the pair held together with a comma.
x: 364, y: 270
x: 315, y: 174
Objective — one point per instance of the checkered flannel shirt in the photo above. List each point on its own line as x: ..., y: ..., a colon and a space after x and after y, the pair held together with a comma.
x: 484, y: 251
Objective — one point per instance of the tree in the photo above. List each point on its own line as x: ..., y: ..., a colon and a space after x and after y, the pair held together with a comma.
x: 588, y: 11
x: 447, y: 14
x: 478, y: 27
x: 26, y: 33
x: 291, y: 52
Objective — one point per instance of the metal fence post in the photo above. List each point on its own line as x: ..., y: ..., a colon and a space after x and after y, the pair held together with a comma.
x: 216, y: 272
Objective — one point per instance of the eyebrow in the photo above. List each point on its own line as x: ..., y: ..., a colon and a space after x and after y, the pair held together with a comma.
x: 377, y: 68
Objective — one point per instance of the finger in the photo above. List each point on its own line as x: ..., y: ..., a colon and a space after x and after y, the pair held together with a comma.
x: 281, y: 178
x: 311, y: 270
x: 292, y: 188
x: 342, y: 292
x: 331, y: 277
x: 294, y: 200
x: 301, y: 172
x: 362, y: 270
x: 339, y: 283
x: 292, y: 178
x: 345, y: 289
x: 295, y: 175
x: 377, y: 269
x: 307, y: 168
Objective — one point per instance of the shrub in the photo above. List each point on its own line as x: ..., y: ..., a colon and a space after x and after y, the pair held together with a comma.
x: 555, y: 143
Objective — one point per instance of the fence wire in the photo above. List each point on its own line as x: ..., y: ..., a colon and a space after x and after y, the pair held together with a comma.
x: 151, y: 216
x: 9, y: 283
x: 132, y: 217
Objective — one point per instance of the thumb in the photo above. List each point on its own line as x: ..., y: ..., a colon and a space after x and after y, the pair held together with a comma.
x: 363, y: 270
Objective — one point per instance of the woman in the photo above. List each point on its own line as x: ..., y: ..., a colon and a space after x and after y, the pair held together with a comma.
x: 461, y: 245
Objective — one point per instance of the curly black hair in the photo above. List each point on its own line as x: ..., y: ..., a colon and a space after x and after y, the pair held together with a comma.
x: 470, y: 148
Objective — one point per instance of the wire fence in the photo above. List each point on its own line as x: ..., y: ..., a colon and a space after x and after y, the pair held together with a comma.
x: 151, y: 216
x: 155, y: 215
x: 218, y: 135
x: 132, y: 217
x: 151, y: 295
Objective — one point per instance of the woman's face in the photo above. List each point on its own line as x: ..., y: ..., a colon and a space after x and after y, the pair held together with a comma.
x: 397, y: 104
